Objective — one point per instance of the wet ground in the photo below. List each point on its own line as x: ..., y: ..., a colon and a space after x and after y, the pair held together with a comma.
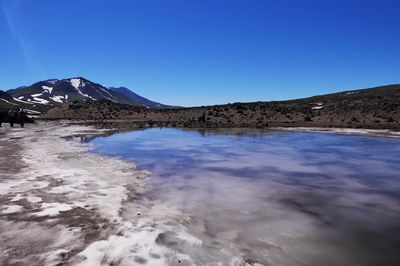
x: 79, y: 195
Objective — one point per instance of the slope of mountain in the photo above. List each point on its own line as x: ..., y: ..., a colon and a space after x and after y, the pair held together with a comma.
x: 368, y: 108
x: 6, y: 101
x: 53, y: 92
x: 139, y: 99
x: 44, y: 95
x: 5, y: 97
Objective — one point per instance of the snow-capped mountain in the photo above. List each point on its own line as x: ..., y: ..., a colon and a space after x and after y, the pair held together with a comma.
x: 44, y: 95
x: 53, y: 92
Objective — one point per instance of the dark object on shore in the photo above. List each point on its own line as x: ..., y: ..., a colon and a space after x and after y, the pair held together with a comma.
x: 14, y: 117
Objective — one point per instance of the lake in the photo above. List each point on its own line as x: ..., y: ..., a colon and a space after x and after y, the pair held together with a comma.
x: 272, y: 197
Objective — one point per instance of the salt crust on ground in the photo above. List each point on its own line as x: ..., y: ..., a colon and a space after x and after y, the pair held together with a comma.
x: 346, y: 131
x: 61, y: 177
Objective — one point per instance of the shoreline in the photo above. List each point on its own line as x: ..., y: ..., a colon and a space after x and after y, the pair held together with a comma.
x: 123, y: 124
x: 345, y: 131
x: 68, y: 203
x: 191, y: 124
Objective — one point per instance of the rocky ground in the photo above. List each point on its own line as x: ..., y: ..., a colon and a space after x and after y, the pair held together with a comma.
x: 376, y: 108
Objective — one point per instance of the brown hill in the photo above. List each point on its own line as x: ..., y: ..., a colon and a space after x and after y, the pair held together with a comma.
x: 368, y: 108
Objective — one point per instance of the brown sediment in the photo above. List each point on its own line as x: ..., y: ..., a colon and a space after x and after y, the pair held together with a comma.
x: 10, y: 151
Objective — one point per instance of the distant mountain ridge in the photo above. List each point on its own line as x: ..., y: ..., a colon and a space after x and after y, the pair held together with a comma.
x: 46, y: 94
x: 139, y: 99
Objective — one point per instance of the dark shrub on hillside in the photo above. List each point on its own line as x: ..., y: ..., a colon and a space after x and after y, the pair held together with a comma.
x: 202, y: 118
x: 307, y: 118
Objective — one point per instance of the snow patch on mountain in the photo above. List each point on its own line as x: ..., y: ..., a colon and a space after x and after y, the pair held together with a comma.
x: 52, y: 81
x: 106, y: 92
x: 75, y: 83
x: 352, y: 92
x: 85, y: 95
x: 19, y: 99
x: 40, y: 100
x: 57, y: 98
x: 37, y: 99
x: 4, y: 100
x: 49, y: 89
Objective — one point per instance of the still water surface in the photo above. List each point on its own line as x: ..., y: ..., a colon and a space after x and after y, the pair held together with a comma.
x: 273, y: 198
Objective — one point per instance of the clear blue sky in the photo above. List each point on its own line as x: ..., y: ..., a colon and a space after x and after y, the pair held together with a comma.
x: 203, y: 52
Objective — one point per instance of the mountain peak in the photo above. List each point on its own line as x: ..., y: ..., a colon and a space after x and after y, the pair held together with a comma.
x: 76, y: 82
x: 79, y: 78
x: 51, y: 92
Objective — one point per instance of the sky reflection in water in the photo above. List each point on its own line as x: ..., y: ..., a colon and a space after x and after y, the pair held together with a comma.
x: 278, y: 198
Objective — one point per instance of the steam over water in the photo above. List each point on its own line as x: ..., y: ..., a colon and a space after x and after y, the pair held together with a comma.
x: 271, y: 198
